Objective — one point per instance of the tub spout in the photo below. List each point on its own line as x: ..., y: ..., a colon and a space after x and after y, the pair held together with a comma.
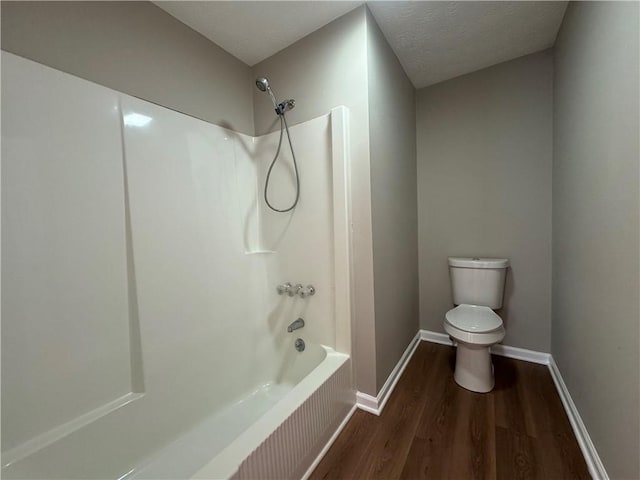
x: 295, y: 325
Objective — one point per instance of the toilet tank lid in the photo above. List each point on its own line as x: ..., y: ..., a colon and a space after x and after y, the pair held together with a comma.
x: 476, y: 262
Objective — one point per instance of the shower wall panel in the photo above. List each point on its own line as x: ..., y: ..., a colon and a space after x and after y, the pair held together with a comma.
x: 301, y: 241
x: 201, y: 298
x: 139, y: 268
x: 65, y: 330
x: 131, y: 309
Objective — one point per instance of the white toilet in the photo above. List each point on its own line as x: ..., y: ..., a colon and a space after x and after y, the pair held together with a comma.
x: 477, y: 285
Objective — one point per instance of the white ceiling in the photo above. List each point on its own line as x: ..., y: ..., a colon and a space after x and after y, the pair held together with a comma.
x: 434, y: 41
x: 253, y: 31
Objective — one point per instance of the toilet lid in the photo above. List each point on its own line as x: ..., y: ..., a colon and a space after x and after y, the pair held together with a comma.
x: 473, y: 318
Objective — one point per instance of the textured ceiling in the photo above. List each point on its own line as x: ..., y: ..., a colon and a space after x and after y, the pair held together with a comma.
x: 434, y: 41
x: 253, y: 31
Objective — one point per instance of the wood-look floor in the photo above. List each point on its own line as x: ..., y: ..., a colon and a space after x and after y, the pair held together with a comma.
x: 432, y: 428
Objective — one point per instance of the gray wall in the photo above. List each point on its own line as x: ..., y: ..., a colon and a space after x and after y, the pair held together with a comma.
x: 325, y: 69
x: 392, y: 145
x: 595, y: 337
x: 484, y: 189
x: 135, y: 48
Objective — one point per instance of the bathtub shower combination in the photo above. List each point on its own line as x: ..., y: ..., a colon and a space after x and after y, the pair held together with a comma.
x: 143, y: 334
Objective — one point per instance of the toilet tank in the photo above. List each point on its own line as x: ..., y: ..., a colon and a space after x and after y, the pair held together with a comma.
x: 478, y: 281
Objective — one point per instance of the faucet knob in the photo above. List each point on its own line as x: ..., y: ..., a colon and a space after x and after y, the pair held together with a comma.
x: 295, y: 289
x: 281, y: 289
x: 307, y: 291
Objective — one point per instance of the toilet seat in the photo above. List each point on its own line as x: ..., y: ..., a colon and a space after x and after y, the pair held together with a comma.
x: 474, y: 325
x: 473, y: 319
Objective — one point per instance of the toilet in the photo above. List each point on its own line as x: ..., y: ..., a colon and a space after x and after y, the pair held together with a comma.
x: 477, y: 285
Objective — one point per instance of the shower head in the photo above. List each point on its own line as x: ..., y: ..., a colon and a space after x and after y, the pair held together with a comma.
x: 262, y: 84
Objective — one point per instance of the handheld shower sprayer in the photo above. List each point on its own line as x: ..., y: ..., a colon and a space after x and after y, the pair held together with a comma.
x: 263, y: 85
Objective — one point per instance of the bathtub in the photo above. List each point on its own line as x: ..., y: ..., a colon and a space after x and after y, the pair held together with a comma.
x: 275, y: 431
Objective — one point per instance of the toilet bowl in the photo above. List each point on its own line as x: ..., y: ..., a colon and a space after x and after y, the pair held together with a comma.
x: 475, y: 329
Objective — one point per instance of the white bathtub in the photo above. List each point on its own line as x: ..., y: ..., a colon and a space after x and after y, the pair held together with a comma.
x: 274, y: 431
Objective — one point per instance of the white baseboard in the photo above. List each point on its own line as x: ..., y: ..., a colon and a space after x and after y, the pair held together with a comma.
x: 435, y: 337
x: 591, y: 457
x: 374, y: 405
x: 596, y: 468
x: 501, y: 350
x: 368, y: 403
x: 327, y: 446
x: 521, y: 354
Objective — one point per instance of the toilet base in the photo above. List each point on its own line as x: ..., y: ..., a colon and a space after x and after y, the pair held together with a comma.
x: 474, y: 370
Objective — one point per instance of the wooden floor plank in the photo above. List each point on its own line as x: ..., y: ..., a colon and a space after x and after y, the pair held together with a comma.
x: 450, y: 442
x: 432, y: 428
x: 510, y: 410
x: 343, y: 458
x: 436, y: 426
x: 482, y: 436
x: 517, y: 459
x: 392, y: 441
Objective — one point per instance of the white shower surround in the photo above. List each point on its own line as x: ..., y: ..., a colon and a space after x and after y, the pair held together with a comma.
x: 199, y: 259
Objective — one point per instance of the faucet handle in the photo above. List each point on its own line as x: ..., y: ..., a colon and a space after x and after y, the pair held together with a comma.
x: 283, y: 288
x: 307, y: 291
x: 292, y: 291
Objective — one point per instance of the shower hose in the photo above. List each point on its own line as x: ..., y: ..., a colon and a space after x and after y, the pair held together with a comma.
x: 283, y: 127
